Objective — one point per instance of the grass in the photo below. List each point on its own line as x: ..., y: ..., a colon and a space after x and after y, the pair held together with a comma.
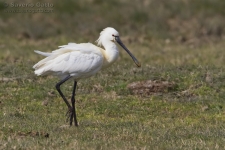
x: 176, y: 41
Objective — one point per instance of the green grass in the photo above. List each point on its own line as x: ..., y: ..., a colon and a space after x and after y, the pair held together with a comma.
x: 176, y: 41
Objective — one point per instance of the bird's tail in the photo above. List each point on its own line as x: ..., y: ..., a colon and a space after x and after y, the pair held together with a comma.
x: 40, y: 66
x: 42, y: 53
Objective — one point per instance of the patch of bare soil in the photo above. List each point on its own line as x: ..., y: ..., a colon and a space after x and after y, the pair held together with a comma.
x: 150, y: 87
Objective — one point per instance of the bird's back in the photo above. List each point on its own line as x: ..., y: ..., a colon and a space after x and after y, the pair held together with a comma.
x: 77, y: 60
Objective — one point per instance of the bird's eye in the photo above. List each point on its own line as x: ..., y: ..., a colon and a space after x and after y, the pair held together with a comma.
x: 113, y: 35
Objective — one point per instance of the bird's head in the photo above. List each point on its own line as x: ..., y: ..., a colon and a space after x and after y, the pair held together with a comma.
x: 109, y: 34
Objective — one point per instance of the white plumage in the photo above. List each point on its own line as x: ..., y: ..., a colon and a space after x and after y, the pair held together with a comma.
x: 79, y: 61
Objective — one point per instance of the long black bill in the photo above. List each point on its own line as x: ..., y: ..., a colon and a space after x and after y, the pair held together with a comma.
x: 131, y: 55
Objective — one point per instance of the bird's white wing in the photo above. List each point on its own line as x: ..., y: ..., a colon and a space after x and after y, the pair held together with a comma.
x: 84, y: 47
x: 69, y: 44
x: 77, y: 60
x: 42, y: 53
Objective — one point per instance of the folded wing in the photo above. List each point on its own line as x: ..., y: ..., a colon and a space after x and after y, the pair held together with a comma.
x: 77, y: 60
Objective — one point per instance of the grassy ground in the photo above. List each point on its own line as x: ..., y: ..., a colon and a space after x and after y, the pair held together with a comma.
x: 176, y: 41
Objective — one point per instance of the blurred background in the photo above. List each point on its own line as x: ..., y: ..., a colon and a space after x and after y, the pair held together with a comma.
x: 182, y: 20
x: 146, y: 25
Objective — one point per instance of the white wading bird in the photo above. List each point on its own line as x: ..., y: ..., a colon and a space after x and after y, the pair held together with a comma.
x: 78, y: 61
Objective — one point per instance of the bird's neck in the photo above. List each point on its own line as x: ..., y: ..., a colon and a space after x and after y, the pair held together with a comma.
x: 111, y: 53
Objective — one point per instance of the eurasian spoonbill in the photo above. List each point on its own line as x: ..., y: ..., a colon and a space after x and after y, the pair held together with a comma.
x: 78, y: 61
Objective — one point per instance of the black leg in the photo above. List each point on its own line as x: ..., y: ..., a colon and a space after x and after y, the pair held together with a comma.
x: 60, y: 92
x: 73, y: 106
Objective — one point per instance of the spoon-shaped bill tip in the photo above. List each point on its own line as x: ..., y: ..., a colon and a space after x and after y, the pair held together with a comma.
x: 137, y: 63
